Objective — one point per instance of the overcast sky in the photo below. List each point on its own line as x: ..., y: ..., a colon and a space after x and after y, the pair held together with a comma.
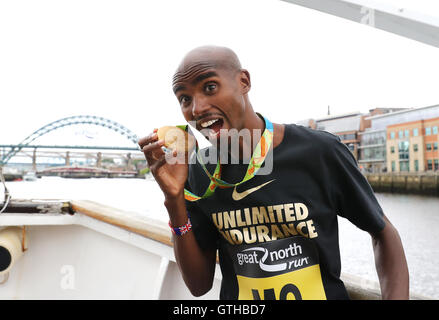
x: 116, y: 59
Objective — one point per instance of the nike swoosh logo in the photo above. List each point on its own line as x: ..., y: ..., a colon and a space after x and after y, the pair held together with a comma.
x: 241, y: 195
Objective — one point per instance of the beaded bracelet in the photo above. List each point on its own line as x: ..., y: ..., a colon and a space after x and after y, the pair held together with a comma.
x: 179, y: 231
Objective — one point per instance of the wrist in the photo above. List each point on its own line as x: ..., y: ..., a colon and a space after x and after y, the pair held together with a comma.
x: 176, y: 208
x: 175, y: 197
x: 182, y: 229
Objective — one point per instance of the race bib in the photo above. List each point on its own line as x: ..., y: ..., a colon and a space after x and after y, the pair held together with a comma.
x: 284, y: 269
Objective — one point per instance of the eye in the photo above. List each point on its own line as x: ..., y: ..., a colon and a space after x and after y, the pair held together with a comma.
x: 210, y: 87
x: 183, y: 99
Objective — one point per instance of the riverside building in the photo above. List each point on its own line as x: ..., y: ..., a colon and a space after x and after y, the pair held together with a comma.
x: 388, y: 139
x: 401, y: 141
x: 354, y: 130
x: 372, y: 149
x: 346, y: 126
x: 413, y: 146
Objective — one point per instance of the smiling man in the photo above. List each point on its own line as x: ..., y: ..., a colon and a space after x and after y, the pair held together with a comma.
x: 275, y: 230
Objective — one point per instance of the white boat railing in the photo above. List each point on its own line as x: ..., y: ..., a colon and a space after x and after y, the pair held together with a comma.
x: 136, y: 230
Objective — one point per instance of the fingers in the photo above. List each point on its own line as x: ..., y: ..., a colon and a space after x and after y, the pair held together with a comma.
x: 157, y: 164
x: 148, y: 139
x: 154, y: 154
x: 151, y: 147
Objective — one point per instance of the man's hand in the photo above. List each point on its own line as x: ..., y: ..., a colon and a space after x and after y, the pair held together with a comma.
x: 391, y: 263
x: 169, y: 170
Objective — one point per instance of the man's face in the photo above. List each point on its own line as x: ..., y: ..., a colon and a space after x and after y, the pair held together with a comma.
x: 212, y: 97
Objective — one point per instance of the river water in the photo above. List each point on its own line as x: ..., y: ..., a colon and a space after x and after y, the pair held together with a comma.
x: 415, y: 217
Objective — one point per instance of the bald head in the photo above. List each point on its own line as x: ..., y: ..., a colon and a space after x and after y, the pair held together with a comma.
x: 212, y: 89
x: 207, y: 57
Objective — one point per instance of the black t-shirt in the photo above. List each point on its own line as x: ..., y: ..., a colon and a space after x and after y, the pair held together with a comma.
x: 279, y: 238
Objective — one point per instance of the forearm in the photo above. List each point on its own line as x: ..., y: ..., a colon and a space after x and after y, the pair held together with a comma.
x: 197, y: 266
x: 391, y: 263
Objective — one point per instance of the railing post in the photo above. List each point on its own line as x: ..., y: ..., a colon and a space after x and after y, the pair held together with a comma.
x: 99, y: 160
x: 68, y: 158
x: 129, y: 162
x: 34, y: 160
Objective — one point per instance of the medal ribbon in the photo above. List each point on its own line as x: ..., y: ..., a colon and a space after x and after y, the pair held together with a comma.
x: 255, y: 164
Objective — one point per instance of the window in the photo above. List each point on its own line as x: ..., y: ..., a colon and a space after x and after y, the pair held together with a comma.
x: 429, y: 165
x: 436, y: 164
x: 392, y: 134
x: 416, y: 165
x: 435, y: 146
x: 403, y: 148
x: 427, y: 131
x: 415, y: 147
x: 348, y: 136
x: 400, y: 134
x: 406, y: 133
x: 415, y: 132
x: 435, y: 130
x: 392, y: 149
x: 368, y: 138
x: 393, y: 166
x: 428, y: 146
x: 375, y: 153
x: 404, y: 166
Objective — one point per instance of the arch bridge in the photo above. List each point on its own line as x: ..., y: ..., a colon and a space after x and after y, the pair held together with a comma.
x: 70, y: 121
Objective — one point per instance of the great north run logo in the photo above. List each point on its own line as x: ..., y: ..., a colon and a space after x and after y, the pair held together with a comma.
x: 273, y: 260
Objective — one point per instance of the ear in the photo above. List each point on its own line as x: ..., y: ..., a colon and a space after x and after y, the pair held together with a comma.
x: 244, y: 78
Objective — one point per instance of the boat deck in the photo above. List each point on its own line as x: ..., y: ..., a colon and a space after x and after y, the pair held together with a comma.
x: 139, y: 231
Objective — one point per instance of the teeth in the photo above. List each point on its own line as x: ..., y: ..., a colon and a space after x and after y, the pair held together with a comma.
x: 208, y: 123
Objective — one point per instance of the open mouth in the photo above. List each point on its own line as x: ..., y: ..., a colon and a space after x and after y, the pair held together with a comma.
x: 213, y: 125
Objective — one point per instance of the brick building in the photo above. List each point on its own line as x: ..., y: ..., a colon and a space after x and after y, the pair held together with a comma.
x: 413, y: 146
x: 388, y: 139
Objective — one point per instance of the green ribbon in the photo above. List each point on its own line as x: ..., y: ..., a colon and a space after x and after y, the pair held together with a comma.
x: 258, y: 157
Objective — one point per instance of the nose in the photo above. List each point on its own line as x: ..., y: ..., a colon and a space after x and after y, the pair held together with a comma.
x: 200, y: 105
